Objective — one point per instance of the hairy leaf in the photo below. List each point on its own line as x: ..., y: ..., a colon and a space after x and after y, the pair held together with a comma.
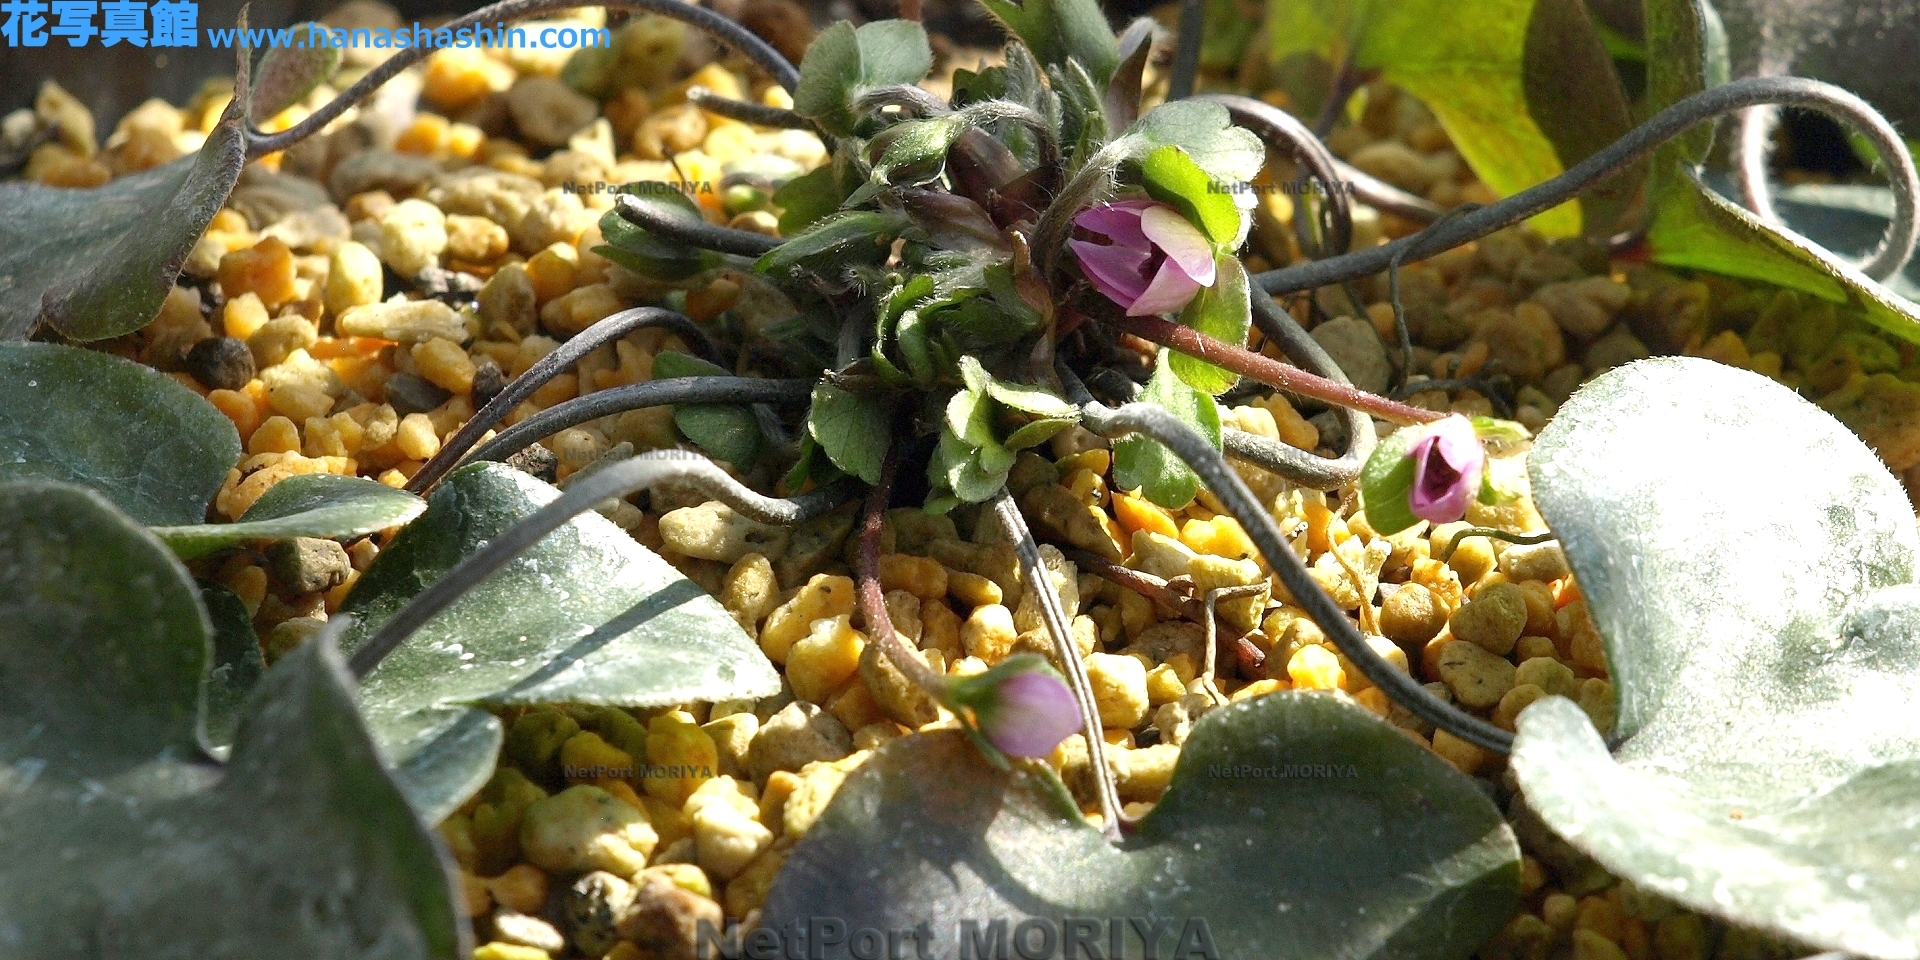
x: 727, y: 431
x: 845, y: 62
x: 287, y: 73
x: 1406, y: 857
x: 588, y: 616
x: 637, y: 249
x: 98, y: 262
x: 148, y: 444
x: 1061, y: 30
x: 1143, y: 464
x: 312, y: 505
x: 1764, y: 644
x: 119, y: 837
x: 853, y: 429
x: 1222, y: 311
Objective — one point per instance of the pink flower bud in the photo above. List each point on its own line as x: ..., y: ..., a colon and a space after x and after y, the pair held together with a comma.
x: 1032, y: 714
x: 1447, y: 466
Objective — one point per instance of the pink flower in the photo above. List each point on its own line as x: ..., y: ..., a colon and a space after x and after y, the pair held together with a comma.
x: 1447, y: 465
x: 1031, y: 714
x: 1154, y: 260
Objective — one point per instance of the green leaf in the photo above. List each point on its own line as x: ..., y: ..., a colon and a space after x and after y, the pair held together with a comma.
x: 98, y: 262
x: 150, y: 445
x: 1387, y: 480
x: 833, y: 243
x: 1205, y: 131
x: 853, y: 429
x: 1036, y: 433
x: 1762, y: 643
x: 118, y: 831
x: 929, y: 829
x: 1524, y: 88
x: 914, y: 152
x: 312, y: 505
x: 1222, y: 311
x: 1697, y: 228
x: 640, y: 251
x: 287, y: 73
x: 237, y: 663
x: 1171, y: 177
x: 727, y: 431
x: 844, y: 62
x: 1062, y: 30
x: 588, y: 616
x: 1146, y: 465
x: 808, y: 198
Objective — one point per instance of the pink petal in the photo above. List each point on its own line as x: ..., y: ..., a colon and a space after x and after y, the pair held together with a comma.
x: 1170, y: 290
x: 1117, y: 272
x: 1118, y: 222
x: 1447, y: 465
x: 1183, y: 242
x: 1034, y: 713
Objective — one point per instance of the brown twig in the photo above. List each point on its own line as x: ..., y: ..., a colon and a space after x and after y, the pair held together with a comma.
x: 1269, y: 371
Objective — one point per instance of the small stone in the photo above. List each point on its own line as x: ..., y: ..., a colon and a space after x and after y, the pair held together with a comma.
x: 1537, y: 561
x: 585, y: 828
x: 306, y: 565
x: 1357, y: 349
x: 665, y: 920
x: 592, y: 910
x: 1477, y: 678
x: 547, y: 111
x: 508, y: 298
x: 1614, y: 349
x: 488, y: 381
x: 408, y: 321
x: 511, y: 926
x: 536, y: 461
x: 354, y: 278
x: 1119, y: 685
x: 897, y: 696
x: 715, y: 531
x: 1412, y: 615
x: 220, y: 363
x: 796, y: 736
x: 1524, y: 342
x: 409, y: 394
x: 1494, y: 619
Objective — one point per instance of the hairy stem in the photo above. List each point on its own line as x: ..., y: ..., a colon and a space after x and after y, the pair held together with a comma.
x: 523, y: 386
x: 633, y: 396
x: 618, y: 480
x: 1034, y: 572
x: 723, y: 29
x: 1269, y: 371
x: 1190, y: 447
x: 1894, y: 249
x: 873, y: 603
x: 693, y: 233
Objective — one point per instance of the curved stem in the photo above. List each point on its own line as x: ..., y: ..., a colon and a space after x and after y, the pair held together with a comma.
x: 700, y: 18
x: 873, y: 603
x: 1186, y: 55
x: 1279, y: 326
x: 1494, y: 534
x: 1753, y: 141
x: 602, y: 332
x: 633, y: 396
x: 618, y: 480
x: 1267, y: 370
x: 1034, y: 570
x: 1276, y: 126
x: 1190, y: 447
x: 755, y: 113
x: 1384, y: 196
x: 693, y: 233
x: 1893, y: 251
x: 913, y: 101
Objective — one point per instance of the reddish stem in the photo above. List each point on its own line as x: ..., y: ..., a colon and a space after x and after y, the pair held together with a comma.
x: 1269, y: 371
x: 873, y: 604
